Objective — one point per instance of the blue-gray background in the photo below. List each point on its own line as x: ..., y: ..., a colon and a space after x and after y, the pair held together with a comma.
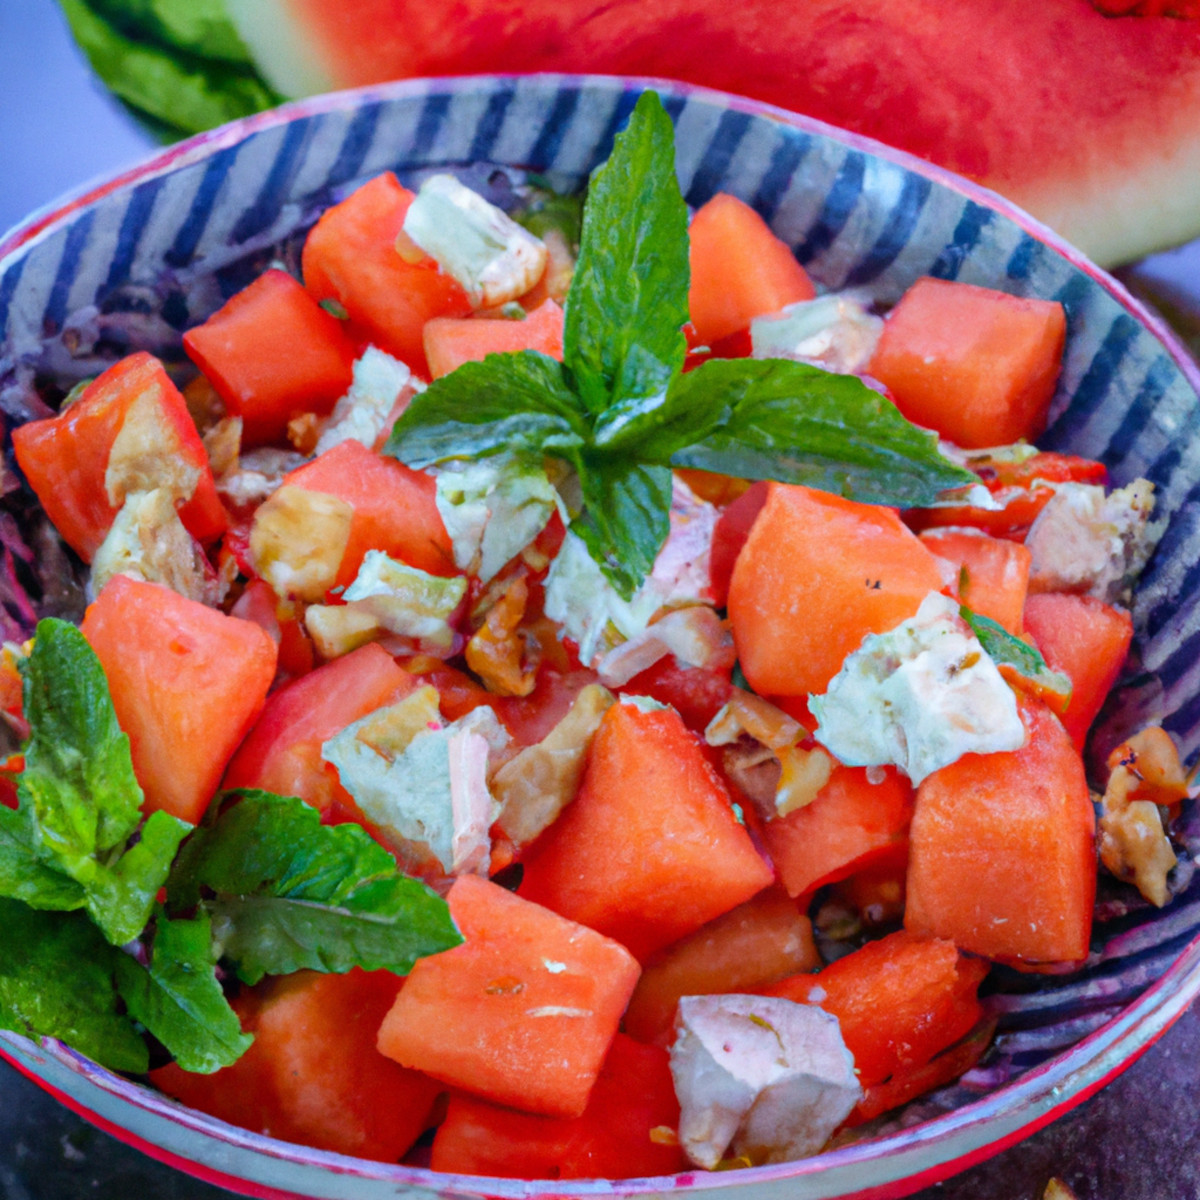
x: 1137, y: 1140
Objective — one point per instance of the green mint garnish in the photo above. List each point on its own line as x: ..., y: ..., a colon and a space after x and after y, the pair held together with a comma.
x: 620, y: 411
x: 287, y: 893
x: 56, y: 980
x: 179, y: 999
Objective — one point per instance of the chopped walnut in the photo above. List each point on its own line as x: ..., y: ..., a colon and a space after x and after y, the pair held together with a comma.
x: 147, y: 541
x: 223, y: 444
x: 147, y: 455
x: 298, y: 539
x: 1057, y: 1190
x: 499, y: 653
x: 1146, y: 778
x: 303, y: 431
x: 536, y: 785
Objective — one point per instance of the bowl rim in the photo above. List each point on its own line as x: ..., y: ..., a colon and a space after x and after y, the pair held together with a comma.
x: 907, y: 1160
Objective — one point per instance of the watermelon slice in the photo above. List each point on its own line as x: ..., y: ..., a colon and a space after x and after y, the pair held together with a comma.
x: 1082, y: 111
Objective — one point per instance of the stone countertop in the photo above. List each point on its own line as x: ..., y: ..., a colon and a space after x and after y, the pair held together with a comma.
x: 1138, y: 1139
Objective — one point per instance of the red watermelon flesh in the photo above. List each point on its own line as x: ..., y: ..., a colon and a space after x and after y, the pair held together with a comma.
x: 1090, y: 121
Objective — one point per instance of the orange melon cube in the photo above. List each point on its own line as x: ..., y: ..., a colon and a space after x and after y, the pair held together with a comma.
x: 522, y: 1013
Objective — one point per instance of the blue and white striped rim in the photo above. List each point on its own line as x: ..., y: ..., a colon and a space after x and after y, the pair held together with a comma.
x: 193, y: 224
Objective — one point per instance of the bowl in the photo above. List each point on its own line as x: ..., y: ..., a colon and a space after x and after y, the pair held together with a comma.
x: 131, y: 263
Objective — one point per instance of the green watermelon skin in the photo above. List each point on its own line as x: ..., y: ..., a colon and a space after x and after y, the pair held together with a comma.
x: 1091, y: 122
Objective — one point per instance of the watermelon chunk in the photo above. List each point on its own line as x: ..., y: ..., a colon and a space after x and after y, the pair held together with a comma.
x: 522, y: 1013
x: 313, y: 1074
x: 627, y: 1130
x: 650, y: 849
x: 187, y: 682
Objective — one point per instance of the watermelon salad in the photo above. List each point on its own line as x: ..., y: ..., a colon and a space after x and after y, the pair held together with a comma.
x: 559, y: 698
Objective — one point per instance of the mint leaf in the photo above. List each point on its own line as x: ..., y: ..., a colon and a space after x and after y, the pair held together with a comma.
x: 184, y: 92
x: 79, y: 800
x: 798, y: 424
x: 291, y: 893
x: 23, y: 877
x: 509, y: 402
x: 179, y: 999
x: 1002, y: 647
x: 625, y: 520
x: 628, y: 301
x: 56, y: 980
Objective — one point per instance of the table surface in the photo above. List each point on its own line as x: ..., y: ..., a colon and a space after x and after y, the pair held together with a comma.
x: 1139, y: 1139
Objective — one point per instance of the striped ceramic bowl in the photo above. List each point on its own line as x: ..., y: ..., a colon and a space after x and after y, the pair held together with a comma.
x: 131, y: 264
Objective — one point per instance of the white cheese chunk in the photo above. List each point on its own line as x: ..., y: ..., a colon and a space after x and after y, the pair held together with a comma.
x: 492, y: 509
x: 588, y: 607
x: 834, y: 332
x: 1085, y: 541
x: 493, y: 257
x: 422, y: 783
x: 920, y: 696
x: 362, y: 413
x: 759, y: 1076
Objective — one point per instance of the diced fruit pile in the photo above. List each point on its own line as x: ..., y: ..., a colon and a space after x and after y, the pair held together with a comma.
x: 507, y: 678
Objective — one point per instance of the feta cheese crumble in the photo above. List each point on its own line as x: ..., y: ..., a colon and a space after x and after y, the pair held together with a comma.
x: 588, y: 607
x: 493, y: 257
x: 424, y: 784
x: 1085, y: 541
x: 919, y: 696
x: 767, y: 1078
x: 492, y: 509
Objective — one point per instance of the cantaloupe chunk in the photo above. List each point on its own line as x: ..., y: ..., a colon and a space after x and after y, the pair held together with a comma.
x: 1003, y: 856
x: 740, y: 269
x: 313, y: 1074
x: 522, y: 1013
x: 977, y: 365
x: 850, y: 825
x: 1088, y: 641
x: 650, y: 849
x: 627, y: 1130
x: 187, y: 682
x: 816, y: 575
x: 993, y: 572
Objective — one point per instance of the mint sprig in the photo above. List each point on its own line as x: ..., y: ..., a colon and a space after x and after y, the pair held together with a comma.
x: 56, y: 980
x: 287, y: 893
x: 620, y: 411
x: 179, y: 999
x: 70, y: 842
